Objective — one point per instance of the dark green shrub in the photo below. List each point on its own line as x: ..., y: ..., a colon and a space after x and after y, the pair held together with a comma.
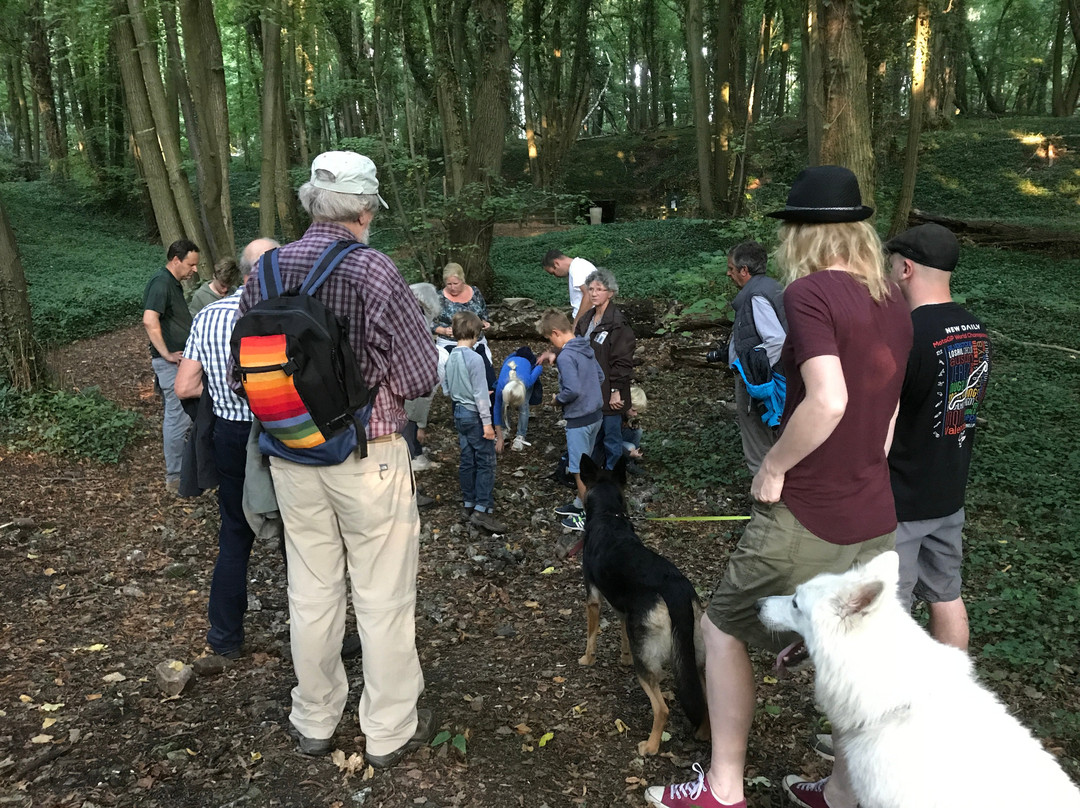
x: 85, y: 424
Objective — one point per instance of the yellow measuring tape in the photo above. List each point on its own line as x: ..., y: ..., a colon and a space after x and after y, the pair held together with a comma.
x: 694, y: 518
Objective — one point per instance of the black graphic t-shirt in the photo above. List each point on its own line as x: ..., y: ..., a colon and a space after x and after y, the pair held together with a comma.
x: 945, y: 383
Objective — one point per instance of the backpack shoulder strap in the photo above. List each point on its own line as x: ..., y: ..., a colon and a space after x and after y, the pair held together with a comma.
x: 269, y: 282
x: 333, y: 255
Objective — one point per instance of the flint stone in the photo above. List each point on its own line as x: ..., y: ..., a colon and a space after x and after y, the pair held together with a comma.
x: 172, y: 681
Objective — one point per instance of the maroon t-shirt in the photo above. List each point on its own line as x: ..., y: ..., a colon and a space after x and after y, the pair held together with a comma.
x: 840, y: 492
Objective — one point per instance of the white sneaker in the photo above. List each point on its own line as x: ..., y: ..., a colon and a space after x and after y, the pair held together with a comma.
x: 519, y: 444
x: 423, y: 463
x: 560, y: 423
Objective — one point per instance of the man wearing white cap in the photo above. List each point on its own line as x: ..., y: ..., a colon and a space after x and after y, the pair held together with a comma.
x: 360, y: 514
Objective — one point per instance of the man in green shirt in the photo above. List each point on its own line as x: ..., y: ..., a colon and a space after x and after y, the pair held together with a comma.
x: 167, y: 322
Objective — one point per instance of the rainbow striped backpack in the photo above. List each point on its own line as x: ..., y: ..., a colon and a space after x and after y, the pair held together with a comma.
x: 293, y: 360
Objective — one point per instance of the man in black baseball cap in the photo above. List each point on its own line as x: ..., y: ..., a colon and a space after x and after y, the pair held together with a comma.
x: 944, y: 386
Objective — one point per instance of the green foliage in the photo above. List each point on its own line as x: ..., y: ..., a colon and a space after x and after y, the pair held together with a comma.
x: 705, y: 453
x: 84, y: 424
x: 673, y: 258
x: 979, y: 170
x: 85, y: 269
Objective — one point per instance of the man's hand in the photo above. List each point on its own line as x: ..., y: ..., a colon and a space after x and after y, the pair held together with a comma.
x: 421, y: 434
x: 616, y: 400
x: 767, y: 486
x: 498, y: 440
x: 173, y: 356
x: 489, y: 432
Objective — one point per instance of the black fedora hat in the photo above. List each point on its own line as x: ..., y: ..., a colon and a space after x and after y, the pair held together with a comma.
x: 824, y: 194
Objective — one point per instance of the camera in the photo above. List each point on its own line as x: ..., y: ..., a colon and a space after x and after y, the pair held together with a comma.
x: 718, y: 352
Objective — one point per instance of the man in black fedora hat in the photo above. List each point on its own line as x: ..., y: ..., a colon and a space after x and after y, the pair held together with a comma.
x: 822, y: 499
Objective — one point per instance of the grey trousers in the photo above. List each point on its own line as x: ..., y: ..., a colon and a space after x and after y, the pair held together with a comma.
x: 757, y: 438
x: 175, y: 425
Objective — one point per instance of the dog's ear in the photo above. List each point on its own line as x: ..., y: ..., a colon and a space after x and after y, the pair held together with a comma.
x: 859, y: 599
x: 620, y: 471
x: 885, y: 567
x: 588, y: 470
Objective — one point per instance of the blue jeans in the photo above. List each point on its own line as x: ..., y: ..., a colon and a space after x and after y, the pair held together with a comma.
x: 175, y: 425
x: 476, y: 474
x: 523, y: 419
x: 228, y: 589
x: 609, y: 443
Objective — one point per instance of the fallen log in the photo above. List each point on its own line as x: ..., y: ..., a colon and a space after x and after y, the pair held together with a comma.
x: 999, y: 234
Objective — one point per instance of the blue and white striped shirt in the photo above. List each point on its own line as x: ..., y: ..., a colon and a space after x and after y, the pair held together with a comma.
x: 208, y: 344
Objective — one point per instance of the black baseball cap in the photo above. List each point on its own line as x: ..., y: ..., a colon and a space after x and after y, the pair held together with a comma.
x: 931, y: 245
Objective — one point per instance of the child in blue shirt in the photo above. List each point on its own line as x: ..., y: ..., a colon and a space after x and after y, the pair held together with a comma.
x: 514, y: 389
x: 466, y: 384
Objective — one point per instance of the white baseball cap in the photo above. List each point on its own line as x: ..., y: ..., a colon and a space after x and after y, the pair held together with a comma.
x: 345, y: 172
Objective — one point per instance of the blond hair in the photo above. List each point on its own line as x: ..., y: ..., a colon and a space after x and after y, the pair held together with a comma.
x: 854, y: 246
x: 453, y: 270
x: 513, y: 394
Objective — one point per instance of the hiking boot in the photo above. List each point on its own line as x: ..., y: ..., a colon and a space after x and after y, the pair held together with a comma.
x: 351, y: 647
x: 487, y: 522
x: 519, y: 444
x: 568, y: 545
x: 823, y: 745
x: 804, y: 793
x: 312, y: 747
x: 425, y: 731
x: 569, y: 509
x: 574, y: 522
x: 695, y: 794
x: 466, y: 514
x: 173, y: 487
x: 424, y: 501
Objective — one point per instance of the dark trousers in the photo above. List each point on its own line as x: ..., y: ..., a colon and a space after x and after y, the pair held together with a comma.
x: 608, y: 448
x: 228, y: 590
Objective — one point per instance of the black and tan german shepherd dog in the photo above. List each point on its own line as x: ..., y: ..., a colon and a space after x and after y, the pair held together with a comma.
x: 657, y: 604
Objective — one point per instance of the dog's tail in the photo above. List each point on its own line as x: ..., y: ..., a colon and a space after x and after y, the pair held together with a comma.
x: 680, y: 597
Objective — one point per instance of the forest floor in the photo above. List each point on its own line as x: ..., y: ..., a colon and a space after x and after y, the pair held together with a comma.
x: 106, y: 576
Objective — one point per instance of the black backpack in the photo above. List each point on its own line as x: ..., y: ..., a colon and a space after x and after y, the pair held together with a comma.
x: 298, y: 371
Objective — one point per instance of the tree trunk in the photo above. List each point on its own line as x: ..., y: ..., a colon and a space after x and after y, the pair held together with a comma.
x: 167, y: 136
x: 272, y: 133
x: 41, y: 82
x: 210, y: 121
x: 699, y: 89
x: 13, y: 110
x: 724, y: 34
x: 915, y: 115
x: 23, y: 111
x: 147, y: 149
x: 22, y: 360
x: 813, y: 41
x: 846, y: 140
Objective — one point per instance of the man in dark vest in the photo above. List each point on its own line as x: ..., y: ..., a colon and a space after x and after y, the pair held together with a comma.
x: 754, y: 350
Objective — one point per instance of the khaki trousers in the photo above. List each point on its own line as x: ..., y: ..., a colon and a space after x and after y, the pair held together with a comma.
x: 360, y: 515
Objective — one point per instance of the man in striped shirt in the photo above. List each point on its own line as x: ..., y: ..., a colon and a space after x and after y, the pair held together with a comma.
x: 360, y: 514
x: 205, y: 361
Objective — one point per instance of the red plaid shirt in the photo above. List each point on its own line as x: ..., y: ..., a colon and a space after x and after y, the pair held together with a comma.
x: 394, y: 350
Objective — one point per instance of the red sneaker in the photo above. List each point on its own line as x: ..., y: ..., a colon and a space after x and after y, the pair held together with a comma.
x: 695, y: 794
x: 804, y: 793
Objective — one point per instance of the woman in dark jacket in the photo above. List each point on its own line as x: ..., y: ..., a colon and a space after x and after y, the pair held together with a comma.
x: 613, y: 342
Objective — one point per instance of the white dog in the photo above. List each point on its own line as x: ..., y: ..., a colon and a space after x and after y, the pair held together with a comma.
x: 918, y: 731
